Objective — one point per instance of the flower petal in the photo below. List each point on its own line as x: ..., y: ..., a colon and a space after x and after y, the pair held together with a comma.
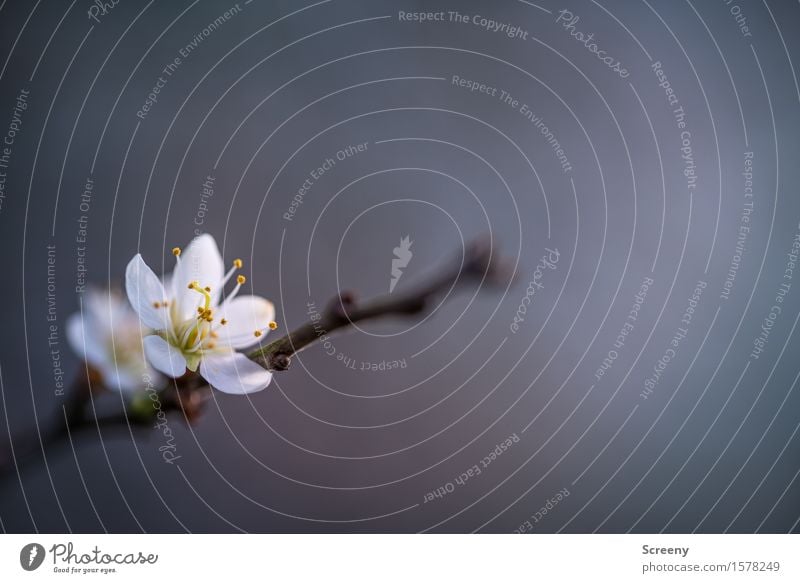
x: 201, y: 262
x: 164, y: 357
x: 244, y: 315
x: 144, y: 288
x: 99, y: 304
x: 234, y: 373
x: 87, y: 339
x: 127, y: 379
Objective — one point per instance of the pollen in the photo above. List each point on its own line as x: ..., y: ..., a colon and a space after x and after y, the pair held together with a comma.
x: 223, y: 321
x: 156, y: 304
x: 237, y: 263
x: 176, y: 251
x: 240, y: 279
x: 257, y: 333
x: 273, y: 325
x: 207, y: 288
x: 193, y: 285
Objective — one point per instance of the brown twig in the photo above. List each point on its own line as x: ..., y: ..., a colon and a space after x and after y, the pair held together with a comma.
x: 187, y: 395
x: 477, y: 264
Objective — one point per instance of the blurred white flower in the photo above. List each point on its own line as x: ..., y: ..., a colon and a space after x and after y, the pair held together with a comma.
x: 107, y: 335
x: 192, y: 327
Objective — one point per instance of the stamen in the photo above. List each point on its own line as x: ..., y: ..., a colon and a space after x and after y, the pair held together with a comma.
x: 257, y: 333
x: 223, y: 321
x: 206, y: 292
x: 184, y: 340
x: 240, y: 281
x: 273, y: 325
x: 237, y: 264
x: 176, y: 251
x: 191, y: 339
x: 156, y: 304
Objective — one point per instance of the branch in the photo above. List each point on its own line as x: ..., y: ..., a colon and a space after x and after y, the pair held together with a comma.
x: 188, y: 394
x: 476, y: 264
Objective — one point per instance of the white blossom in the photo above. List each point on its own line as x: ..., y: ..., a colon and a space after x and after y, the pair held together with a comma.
x: 108, y: 336
x: 193, y: 326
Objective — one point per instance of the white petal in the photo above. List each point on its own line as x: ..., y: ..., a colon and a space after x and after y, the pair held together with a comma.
x: 87, y: 339
x: 166, y: 281
x: 164, y: 357
x: 99, y: 304
x: 144, y: 288
x: 244, y: 315
x: 201, y: 262
x: 132, y: 378
x: 122, y: 378
x: 234, y: 373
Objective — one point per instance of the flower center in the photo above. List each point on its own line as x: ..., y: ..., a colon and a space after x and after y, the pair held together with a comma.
x: 197, y: 334
x: 199, y: 329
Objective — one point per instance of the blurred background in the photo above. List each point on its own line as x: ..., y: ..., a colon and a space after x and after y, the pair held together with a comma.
x: 647, y: 151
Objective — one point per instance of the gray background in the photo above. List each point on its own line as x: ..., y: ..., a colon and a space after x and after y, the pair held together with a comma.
x: 281, y: 86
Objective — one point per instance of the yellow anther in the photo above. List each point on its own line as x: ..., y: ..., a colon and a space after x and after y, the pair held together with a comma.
x: 223, y: 321
x: 193, y: 285
x: 176, y: 251
x: 207, y: 288
x: 237, y: 263
x: 273, y: 325
x: 257, y: 333
x: 199, y: 310
x: 156, y: 304
x: 240, y: 279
